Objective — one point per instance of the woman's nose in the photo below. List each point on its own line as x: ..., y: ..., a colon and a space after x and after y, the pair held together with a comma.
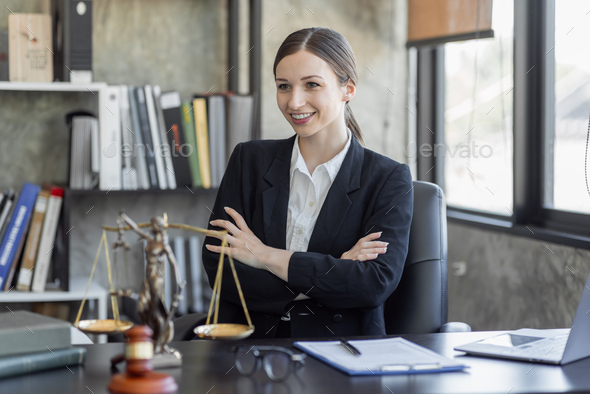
x: 297, y: 99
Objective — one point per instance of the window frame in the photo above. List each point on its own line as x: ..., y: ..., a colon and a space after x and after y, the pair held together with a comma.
x: 534, y: 66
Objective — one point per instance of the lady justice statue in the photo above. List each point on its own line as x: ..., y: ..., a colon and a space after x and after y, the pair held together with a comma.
x: 151, y: 308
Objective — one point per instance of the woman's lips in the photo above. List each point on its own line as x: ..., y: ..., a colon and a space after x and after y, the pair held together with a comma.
x: 304, y: 120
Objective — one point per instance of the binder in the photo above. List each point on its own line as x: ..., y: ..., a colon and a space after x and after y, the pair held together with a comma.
x: 390, y: 356
x: 110, y: 139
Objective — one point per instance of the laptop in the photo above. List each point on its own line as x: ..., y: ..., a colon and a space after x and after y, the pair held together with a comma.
x: 560, y: 346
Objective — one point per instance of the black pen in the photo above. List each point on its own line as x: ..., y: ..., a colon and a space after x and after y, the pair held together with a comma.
x: 349, y: 347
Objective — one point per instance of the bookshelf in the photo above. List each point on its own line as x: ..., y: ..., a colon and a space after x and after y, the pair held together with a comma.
x: 51, y: 87
x: 62, y: 250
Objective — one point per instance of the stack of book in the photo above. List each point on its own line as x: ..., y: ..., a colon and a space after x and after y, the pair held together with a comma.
x: 29, y: 228
x: 31, y: 343
x: 148, y: 139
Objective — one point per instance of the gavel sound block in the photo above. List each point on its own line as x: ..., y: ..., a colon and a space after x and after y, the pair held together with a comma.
x: 139, y: 377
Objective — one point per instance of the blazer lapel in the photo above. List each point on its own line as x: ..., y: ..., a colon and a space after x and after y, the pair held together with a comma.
x: 275, y: 200
x: 337, y: 201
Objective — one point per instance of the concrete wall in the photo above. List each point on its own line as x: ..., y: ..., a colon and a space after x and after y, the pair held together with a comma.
x: 513, y: 282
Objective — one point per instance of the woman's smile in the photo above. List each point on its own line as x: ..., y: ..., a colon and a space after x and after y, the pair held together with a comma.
x: 301, y: 118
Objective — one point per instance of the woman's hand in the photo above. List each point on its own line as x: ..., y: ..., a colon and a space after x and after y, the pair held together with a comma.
x: 366, y: 249
x: 243, y: 246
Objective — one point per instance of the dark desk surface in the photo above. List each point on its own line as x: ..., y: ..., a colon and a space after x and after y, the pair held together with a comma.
x: 209, y: 369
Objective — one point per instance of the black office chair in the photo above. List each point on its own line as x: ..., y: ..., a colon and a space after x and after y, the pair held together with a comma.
x: 419, y: 305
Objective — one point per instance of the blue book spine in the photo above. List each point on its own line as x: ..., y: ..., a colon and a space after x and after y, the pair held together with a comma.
x: 35, y: 362
x: 16, y: 228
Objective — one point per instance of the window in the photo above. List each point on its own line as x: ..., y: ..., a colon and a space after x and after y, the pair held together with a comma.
x: 510, y: 114
x: 566, y: 146
x: 478, y: 117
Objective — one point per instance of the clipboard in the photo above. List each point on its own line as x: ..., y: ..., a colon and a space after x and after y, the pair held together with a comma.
x: 390, y: 356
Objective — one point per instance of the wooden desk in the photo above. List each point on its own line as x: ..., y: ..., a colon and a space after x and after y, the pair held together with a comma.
x: 209, y: 369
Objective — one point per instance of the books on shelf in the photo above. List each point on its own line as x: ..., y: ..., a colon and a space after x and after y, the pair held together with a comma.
x: 25, y: 276
x: 170, y: 106
x: 13, y: 240
x: 110, y: 139
x: 149, y: 139
x: 47, y: 240
x: 84, y: 152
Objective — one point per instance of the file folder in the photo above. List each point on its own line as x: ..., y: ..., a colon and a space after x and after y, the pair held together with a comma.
x: 388, y: 356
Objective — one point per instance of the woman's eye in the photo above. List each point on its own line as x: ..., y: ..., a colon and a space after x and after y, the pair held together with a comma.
x: 283, y: 86
x: 312, y: 84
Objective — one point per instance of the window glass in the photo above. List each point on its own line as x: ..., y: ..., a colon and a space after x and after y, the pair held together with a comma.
x: 478, y: 118
x: 572, y: 106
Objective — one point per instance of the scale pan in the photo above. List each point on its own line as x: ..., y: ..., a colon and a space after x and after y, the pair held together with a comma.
x: 224, y: 331
x: 109, y: 326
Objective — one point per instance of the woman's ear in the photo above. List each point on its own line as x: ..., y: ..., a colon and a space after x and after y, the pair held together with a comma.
x: 349, y: 91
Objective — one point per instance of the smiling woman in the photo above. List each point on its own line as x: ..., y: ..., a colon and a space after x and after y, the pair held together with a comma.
x: 319, y: 223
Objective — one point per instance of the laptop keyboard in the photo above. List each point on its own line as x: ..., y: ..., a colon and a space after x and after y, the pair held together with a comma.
x: 548, y: 349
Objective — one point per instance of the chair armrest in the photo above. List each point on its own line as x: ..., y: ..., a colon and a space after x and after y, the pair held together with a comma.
x: 455, y: 327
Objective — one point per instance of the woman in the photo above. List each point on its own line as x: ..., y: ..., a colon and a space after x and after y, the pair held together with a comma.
x: 311, y: 217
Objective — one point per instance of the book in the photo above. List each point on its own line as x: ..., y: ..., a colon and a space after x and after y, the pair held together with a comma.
x: 5, y: 209
x: 202, y: 130
x: 190, y: 137
x: 146, y: 135
x: 195, y: 277
x: 239, y: 121
x: 139, y: 149
x: 3, y: 55
x: 42, y: 331
x: 160, y: 146
x: 47, y: 241
x: 84, y: 152
x: 179, y: 254
x: 170, y: 104
x: 128, y: 171
x: 15, y: 232
x: 25, y: 275
x: 42, y: 361
x: 217, y: 137
x: 30, y: 56
x: 167, y: 149
x: 110, y: 139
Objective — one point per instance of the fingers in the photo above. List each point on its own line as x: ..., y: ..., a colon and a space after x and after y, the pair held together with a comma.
x: 374, y: 244
x: 243, y: 226
x: 371, y: 236
x: 366, y: 257
x: 229, y: 226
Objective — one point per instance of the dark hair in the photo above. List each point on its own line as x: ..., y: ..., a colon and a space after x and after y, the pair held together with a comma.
x: 333, y: 48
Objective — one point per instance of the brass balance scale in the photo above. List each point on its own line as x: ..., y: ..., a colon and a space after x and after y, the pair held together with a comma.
x: 152, y: 310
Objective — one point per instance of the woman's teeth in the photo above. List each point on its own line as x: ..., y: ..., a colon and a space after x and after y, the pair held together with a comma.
x: 302, y: 116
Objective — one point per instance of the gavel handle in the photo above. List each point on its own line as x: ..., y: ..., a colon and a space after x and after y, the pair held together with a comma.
x: 118, y: 359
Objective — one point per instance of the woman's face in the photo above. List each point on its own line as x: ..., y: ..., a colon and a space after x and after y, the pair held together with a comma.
x: 309, y: 94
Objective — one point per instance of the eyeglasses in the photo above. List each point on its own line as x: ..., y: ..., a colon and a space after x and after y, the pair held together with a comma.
x: 278, y: 362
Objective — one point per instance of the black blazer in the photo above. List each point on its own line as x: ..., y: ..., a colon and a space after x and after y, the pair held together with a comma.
x: 370, y: 193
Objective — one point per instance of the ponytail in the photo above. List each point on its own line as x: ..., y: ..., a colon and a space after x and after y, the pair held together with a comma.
x: 352, y: 124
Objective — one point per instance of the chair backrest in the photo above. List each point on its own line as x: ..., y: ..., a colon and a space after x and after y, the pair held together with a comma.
x: 420, y: 302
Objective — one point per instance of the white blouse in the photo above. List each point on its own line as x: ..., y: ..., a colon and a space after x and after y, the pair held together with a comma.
x: 307, y: 195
